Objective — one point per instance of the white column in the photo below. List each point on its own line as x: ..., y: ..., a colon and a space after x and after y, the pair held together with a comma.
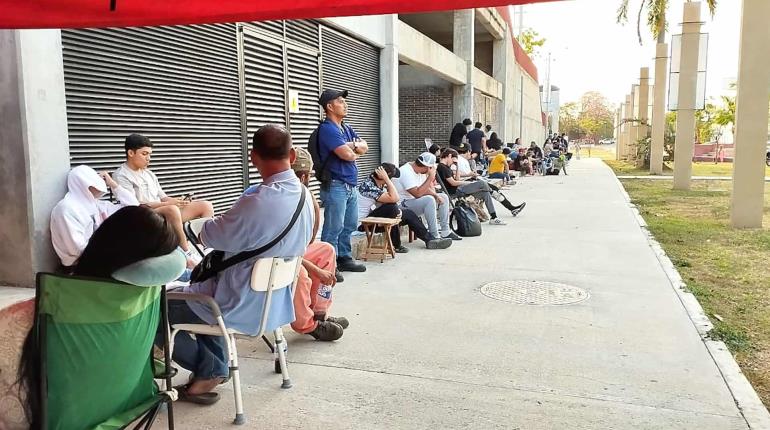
x: 751, y: 116
x: 463, y: 41
x: 35, y: 160
x: 628, y: 115
x: 634, y: 129
x: 659, y: 109
x: 500, y: 64
x: 616, y: 129
x: 644, y: 106
x: 389, y: 127
x: 685, y: 115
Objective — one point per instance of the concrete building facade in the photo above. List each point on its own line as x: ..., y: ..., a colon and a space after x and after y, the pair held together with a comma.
x: 70, y: 97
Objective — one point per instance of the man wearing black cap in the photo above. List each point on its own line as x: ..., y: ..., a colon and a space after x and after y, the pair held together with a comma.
x: 338, y: 148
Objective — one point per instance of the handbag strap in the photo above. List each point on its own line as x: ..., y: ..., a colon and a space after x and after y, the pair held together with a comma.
x: 245, y: 255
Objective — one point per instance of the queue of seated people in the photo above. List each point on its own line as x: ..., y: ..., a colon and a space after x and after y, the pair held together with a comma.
x: 147, y: 222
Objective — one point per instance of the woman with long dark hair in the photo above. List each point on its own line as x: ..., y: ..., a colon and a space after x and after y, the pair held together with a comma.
x: 131, y: 234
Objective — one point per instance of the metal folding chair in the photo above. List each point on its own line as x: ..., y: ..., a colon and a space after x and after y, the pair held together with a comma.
x: 267, y: 275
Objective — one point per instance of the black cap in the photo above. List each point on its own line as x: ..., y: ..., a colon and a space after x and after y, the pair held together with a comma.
x: 329, y: 95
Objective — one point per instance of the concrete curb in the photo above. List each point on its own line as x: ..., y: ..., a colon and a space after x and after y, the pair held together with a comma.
x: 751, y: 407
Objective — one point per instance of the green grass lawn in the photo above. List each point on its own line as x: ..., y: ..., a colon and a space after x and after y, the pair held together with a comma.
x: 623, y: 168
x: 727, y: 269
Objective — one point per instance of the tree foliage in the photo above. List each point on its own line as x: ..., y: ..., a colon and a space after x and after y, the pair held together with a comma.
x: 591, y: 118
x: 656, y: 14
x: 531, y: 41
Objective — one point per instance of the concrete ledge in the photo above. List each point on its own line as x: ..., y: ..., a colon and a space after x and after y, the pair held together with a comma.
x: 418, y: 50
x: 487, y: 84
x: 751, y: 407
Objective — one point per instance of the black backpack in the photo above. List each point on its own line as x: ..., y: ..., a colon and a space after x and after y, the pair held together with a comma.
x: 313, y: 147
x: 464, y: 220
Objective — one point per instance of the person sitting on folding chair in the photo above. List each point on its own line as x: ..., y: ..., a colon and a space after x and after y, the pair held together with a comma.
x: 315, y: 284
x: 84, y: 350
x: 447, y: 173
x: 256, y: 219
x: 75, y: 218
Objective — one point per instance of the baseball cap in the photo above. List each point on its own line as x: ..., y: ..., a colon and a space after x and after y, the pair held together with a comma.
x: 426, y: 159
x: 328, y: 95
x: 304, y: 162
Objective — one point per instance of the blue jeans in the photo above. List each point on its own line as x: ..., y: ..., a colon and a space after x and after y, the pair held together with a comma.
x: 499, y: 175
x: 204, y: 356
x: 340, y: 216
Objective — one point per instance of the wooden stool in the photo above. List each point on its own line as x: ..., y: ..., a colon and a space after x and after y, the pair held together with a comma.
x: 371, y: 225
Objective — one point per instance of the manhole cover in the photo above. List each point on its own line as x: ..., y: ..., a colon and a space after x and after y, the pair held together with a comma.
x: 525, y: 292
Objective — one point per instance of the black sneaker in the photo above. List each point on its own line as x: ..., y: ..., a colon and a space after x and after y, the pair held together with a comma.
x: 347, y: 264
x: 327, y: 331
x: 342, y: 321
x: 401, y: 249
x: 442, y: 243
x: 338, y: 276
x: 453, y: 236
x: 517, y: 209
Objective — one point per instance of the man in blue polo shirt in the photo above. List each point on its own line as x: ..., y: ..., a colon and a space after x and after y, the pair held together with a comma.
x: 338, y: 148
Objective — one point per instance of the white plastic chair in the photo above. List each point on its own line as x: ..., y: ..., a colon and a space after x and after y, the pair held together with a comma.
x: 267, y: 275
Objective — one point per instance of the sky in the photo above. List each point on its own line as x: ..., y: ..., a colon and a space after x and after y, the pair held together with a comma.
x: 591, y: 52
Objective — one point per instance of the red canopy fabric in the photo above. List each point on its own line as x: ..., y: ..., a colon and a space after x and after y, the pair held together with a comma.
x: 17, y: 14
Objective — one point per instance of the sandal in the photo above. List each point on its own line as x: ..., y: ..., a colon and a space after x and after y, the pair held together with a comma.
x: 201, y: 399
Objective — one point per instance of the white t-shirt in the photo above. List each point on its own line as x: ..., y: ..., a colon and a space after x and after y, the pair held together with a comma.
x: 409, y: 179
x: 143, y: 183
x: 463, y: 166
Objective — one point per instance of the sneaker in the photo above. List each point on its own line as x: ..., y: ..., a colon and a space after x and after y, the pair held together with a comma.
x: 338, y: 275
x: 517, y: 209
x: 347, y: 264
x: 453, y: 236
x: 496, y: 221
x: 341, y: 321
x: 401, y: 249
x: 327, y: 331
x: 442, y: 243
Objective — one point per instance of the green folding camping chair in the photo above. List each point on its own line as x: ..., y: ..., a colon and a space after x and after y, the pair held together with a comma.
x: 95, y: 339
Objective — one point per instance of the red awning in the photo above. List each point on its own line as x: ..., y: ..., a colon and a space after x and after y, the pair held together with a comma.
x: 126, y: 13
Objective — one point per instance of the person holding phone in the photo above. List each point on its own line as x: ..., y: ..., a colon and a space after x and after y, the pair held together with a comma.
x: 134, y: 175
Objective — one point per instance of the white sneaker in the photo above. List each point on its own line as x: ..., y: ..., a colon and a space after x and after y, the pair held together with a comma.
x: 497, y: 221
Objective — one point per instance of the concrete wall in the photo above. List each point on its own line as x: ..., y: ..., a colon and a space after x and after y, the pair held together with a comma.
x: 421, y: 51
x: 35, y: 158
x: 483, y: 57
x: 485, y: 111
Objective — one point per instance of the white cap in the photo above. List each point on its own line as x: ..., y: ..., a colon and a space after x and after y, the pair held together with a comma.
x: 427, y: 159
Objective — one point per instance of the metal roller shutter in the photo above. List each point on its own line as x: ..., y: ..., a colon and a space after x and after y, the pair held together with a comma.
x: 177, y: 85
x: 348, y: 64
x: 264, y: 84
x: 303, y: 31
x: 272, y: 67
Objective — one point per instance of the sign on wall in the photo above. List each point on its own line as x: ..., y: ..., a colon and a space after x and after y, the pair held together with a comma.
x: 293, y: 101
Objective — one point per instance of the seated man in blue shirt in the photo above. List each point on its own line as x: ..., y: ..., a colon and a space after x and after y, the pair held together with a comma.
x: 338, y: 148
x: 256, y: 218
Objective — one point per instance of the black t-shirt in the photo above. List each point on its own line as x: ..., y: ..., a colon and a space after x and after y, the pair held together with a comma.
x: 443, y: 171
x: 474, y: 138
x: 456, y: 137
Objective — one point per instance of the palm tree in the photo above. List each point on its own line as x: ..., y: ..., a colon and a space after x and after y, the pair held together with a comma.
x: 656, y: 15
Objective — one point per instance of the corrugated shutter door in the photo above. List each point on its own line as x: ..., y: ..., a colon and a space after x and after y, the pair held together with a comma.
x: 303, y: 77
x: 264, y: 85
x: 348, y: 64
x: 176, y: 85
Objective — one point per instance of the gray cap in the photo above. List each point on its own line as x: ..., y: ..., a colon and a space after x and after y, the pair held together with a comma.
x: 427, y: 159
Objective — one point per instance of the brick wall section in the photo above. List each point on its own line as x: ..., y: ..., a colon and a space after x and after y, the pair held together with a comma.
x: 423, y: 112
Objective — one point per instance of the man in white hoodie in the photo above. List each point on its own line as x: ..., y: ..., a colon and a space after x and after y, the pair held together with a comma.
x: 75, y: 218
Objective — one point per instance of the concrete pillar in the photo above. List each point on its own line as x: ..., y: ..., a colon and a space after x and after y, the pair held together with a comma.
x: 643, y: 109
x: 634, y: 129
x: 620, y: 142
x: 616, y: 129
x: 463, y: 41
x: 751, y: 116
x: 659, y: 109
x: 629, y: 115
x: 685, y: 115
x: 389, y: 126
x: 35, y: 151
x: 500, y: 71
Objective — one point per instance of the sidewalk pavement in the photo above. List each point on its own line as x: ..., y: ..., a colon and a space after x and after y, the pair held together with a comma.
x: 426, y: 350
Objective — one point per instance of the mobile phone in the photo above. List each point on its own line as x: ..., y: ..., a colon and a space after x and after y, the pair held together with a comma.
x: 188, y: 196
